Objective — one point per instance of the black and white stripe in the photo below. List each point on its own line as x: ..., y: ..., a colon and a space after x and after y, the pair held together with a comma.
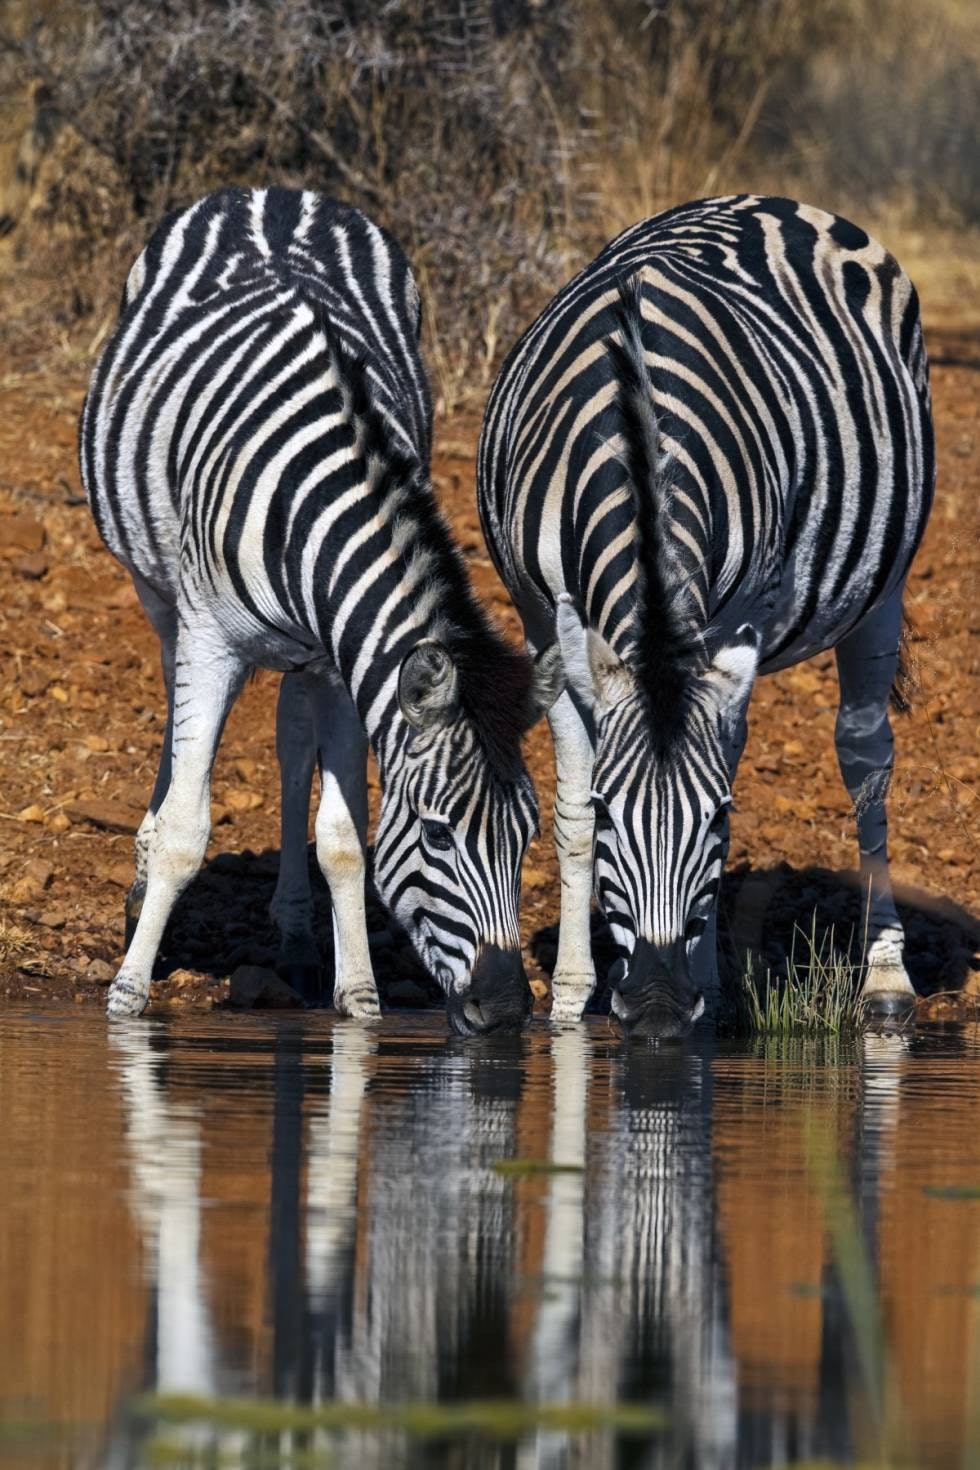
x: 711, y: 454
x: 255, y: 448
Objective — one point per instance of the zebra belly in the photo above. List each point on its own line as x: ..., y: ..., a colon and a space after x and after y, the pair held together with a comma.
x: 792, y: 634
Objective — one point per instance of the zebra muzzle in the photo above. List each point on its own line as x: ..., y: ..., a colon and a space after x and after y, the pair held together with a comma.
x: 653, y: 997
x: 499, y: 997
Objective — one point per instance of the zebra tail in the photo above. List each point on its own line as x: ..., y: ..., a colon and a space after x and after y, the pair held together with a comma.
x: 907, y: 684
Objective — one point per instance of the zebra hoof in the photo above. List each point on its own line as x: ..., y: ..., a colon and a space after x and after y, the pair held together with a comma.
x: 358, y: 1005
x: 306, y: 980
x: 889, y: 1005
x: 125, y: 1000
x: 569, y: 999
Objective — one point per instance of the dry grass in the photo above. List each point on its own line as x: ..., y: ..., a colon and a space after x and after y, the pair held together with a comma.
x: 502, y: 143
x: 18, y: 949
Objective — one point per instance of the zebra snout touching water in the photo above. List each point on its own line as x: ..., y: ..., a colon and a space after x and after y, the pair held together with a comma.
x: 710, y: 457
x: 255, y: 448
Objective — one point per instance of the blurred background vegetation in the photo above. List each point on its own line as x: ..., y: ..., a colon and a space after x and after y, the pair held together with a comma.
x: 502, y: 141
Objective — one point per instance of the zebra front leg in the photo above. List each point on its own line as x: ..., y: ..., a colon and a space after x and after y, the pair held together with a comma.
x: 341, y: 844
x: 163, y: 616
x: 866, y: 664
x: 574, y: 979
x: 206, y: 680
x: 292, y: 903
x: 704, y: 957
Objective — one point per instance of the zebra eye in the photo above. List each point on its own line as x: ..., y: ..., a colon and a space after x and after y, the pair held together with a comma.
x: 437, y: 834
x: 695, y: 927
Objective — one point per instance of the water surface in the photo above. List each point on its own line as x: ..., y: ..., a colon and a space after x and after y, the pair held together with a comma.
x: 772, y: 1249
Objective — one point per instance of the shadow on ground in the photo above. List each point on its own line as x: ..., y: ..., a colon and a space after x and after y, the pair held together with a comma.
x: 222, y: 921
x: 771, y: 913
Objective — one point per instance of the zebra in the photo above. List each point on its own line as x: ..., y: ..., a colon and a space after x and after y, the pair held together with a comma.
x: 255, y: 446
x: 711, y: 456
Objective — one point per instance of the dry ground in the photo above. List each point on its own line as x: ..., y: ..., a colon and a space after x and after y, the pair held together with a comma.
x: 81, y: 724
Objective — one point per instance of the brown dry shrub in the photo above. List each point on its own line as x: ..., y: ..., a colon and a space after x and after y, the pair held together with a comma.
x: 502, y: 141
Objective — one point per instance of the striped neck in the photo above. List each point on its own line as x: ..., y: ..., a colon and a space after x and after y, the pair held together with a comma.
x: 401, y: 581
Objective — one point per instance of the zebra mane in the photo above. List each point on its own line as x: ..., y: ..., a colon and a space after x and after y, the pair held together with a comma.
x: 496, y: 680
x: 668, y: 650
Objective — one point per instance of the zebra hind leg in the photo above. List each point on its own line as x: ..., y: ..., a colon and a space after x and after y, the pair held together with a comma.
x: 207, y: 678
x: 341, y: 844
x: 867, y: 660
x: 574, y: 979
x: 163, y: 616
x: 291, y: 908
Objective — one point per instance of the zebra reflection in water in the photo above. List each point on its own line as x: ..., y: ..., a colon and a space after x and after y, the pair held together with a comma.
x: 387, y: 1260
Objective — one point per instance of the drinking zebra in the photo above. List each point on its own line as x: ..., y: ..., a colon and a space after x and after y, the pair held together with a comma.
x: 255, y: 445
x: 712, y: 455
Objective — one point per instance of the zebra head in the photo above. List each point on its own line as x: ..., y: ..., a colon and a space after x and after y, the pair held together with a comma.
x: 456, y: 819
x: 660, y: 796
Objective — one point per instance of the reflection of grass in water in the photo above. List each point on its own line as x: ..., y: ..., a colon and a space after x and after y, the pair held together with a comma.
x: 879, y: 1432
x: 519, y: 1168
x: 853, y: 1268
x: 819, y: 992
x: 502, y: 1419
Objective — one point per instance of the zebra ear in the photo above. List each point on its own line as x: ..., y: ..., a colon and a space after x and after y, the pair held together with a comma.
x: 428, y: 686
x: 593, y: 669
x: 548, y: 683
x: 731, y: 673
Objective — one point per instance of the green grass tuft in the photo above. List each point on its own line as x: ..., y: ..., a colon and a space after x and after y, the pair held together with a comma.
x: 820, y: 991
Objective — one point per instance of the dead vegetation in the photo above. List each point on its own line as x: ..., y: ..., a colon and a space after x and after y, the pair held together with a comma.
x: 501, y: 140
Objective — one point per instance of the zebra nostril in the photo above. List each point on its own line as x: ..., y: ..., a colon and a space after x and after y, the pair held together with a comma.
x: 618, y: 972
x: 474, y: 1014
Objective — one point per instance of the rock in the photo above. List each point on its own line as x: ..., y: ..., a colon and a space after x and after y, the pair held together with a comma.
x: 244, y: 801
x: 33, y: 681
x: 114, y: 816
x: 539, y: 989
x: 39, y: 872
x: 252, y: 986
x: 33, y: 566
x: 53, y: 918
x: 97, y: 744
x: 31, y: 814
x: 100, y: 971
x: 184, y: 979
x: 120, y: 875
x: 23, y: 533
x: 247, y: 769
x: 59, y: 822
